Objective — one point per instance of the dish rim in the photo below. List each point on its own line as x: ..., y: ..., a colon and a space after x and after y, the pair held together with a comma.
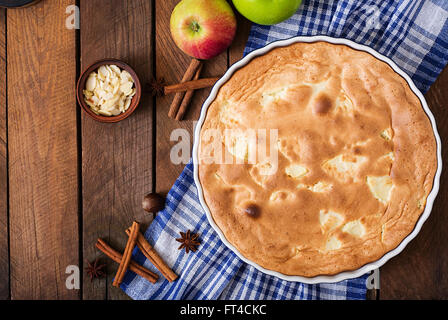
x: 345, y: 274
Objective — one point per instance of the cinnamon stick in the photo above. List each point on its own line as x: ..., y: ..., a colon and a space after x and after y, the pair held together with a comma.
x: 133, y: 266
x: 154, y: 257
x: 189, y: 74
x: 187, y: 98
x: 124, y: 264
x: 190, y: 85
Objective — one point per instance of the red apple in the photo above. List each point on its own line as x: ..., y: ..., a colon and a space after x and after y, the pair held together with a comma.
x: 203, y: 28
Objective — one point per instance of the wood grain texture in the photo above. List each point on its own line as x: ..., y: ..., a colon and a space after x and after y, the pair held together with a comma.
x: 236, y: 50
x: 43, y: 167
x: 171, y: 64
x: 4, y: 255
x: 419, y: 272
x: 116, y: 158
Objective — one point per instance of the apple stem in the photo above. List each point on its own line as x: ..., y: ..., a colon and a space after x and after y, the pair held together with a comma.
x: 195, y: 26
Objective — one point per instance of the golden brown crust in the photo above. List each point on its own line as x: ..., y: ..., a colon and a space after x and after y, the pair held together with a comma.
x: 356, y: 159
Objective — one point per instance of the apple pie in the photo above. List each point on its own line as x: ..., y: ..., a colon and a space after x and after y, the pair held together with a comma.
x: 347, y: 160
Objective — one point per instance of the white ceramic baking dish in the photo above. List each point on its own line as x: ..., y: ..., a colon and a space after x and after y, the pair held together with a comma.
x: 347, y: 274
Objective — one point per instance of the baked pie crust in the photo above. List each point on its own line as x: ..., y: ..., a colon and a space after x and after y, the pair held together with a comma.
x: 356, y: 159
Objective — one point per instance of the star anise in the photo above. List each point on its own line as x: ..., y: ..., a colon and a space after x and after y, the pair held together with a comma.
x: 157, y: 87
x: 95, y: 270
x: 188, y: 241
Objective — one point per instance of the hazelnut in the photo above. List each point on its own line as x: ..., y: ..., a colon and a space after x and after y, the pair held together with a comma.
x: 252, y: 210
x: 153, y: 203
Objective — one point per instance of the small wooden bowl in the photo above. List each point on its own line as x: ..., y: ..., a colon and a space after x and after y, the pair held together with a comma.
x: 17, y: 3
x: 82, y: 84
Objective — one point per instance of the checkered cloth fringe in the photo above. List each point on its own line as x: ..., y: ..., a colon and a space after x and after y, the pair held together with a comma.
x: 413, y: 33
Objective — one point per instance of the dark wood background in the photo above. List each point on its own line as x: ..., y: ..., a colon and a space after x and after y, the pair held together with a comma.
x: 66, y: 180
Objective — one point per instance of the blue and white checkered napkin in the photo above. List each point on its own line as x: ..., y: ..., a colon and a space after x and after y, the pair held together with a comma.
x: 414, y: 34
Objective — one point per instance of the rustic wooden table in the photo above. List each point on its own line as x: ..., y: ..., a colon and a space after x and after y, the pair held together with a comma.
x: 66, y: 180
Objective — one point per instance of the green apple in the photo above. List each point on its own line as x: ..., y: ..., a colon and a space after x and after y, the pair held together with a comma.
x: 203, y: 28
x: 267, y: 12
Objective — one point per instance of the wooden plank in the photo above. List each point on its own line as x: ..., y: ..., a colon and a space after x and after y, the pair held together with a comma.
x: 116, y: 158
x: 237, y: 48
x: 43, y: 160
x: 4, y: 255
x: 419, y: 272
x: 171, y: 64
